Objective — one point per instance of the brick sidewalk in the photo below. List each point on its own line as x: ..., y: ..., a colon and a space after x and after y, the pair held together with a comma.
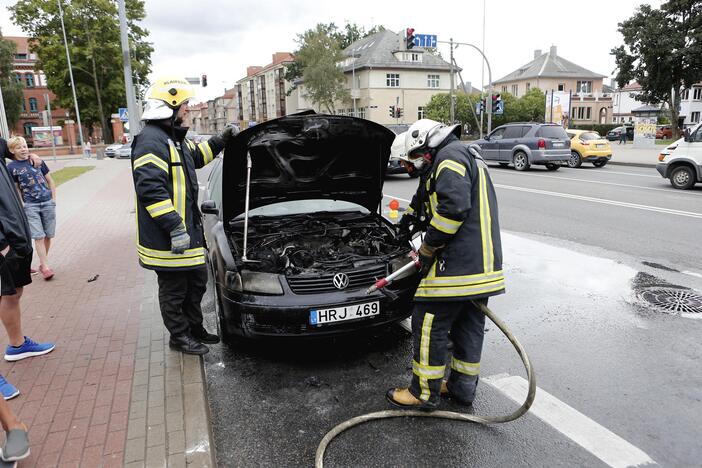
x: 76, y: 400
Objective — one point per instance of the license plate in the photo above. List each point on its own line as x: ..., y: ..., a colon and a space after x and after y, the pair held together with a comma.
x: 600, y: 146
x: 557, y: 145
x: 344, y: 313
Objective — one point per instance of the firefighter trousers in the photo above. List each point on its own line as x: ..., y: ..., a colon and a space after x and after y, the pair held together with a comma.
x: 432, y: 325
x: 179, y: 294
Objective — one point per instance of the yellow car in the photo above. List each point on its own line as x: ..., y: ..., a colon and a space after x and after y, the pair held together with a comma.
x: 588, y: 146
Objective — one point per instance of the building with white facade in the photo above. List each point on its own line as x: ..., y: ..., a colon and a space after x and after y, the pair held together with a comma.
x: 261, y: 95
x: 691, y: 105
x: 624, y: 101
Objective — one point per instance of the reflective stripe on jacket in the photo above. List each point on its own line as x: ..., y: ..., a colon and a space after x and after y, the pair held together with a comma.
x: 460, y: 207
x: 163, y: 167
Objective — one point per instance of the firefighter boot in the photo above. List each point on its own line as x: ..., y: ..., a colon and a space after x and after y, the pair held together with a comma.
x: 404, y: 399
x: 185, y: 343
x: 201, y: 335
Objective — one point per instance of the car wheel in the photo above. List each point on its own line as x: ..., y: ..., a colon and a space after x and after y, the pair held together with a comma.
x: 682, y: 178
x: 601, y: 163
x: 575, y: 160
x: 521, y: 161
x: 552, y: 167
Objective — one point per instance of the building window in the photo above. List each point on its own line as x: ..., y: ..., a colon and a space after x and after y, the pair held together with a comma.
x: 685, y: 94
x: 24, y: 105
x: 504, y: 89
x: 616, y: 99
x: 697, y: 94
x: 582, y: 113
x: 18, y: 78
x: 421, y: 114
x: 694, y: 117
x: 392, y: 80
x: 21, y: 56
x: 561, y: 86
x: 584, y: 87
x: 361, y: 111
x: 33, y: 105
x: 29, y: 77
x: 515, y: 90
x: 28, y: 128
x: 528, y: 87
x: 433, y: 81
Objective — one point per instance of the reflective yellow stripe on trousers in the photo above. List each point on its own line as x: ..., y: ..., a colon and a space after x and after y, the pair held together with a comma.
x: 424, y: 354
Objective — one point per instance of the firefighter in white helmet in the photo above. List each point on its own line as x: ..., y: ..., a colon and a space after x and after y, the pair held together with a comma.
x: 461, y: 258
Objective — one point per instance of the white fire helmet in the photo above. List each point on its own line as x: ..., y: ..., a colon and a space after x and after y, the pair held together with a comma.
x: 397, y: 150
x: 426, y: 134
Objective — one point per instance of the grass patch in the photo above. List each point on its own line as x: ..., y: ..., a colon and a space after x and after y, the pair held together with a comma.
x: 664, y: 142
x: 68, y: 173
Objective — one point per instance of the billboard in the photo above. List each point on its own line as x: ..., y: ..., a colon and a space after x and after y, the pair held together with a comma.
x: 558, y: 107
x: 645, y: 132
x: 41, y: 136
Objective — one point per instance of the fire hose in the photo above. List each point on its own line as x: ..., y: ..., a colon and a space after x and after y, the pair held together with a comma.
x: 519, y: 412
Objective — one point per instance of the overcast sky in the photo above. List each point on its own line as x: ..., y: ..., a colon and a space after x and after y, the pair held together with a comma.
x: 221, y: 38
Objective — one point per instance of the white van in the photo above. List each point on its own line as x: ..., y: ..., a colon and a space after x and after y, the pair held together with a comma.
x: 681, y: 161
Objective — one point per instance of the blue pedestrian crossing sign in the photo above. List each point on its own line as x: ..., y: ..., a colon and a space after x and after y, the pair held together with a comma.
x: 500, y: 108
x: 123, y: 114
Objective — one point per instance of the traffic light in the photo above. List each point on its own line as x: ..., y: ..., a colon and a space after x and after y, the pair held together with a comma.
x: 398, y: 112
x: 482, y: 105
x: 392, y: 111
x: 497, y: 104
x: 409, y: 38
x: 204, y: 81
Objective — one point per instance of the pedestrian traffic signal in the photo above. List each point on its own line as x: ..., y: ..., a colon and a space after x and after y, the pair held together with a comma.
x: 398, y: 112
x: 204, y: 81
x: 409, y: 38
x: 392, y: 111
x: 497, y: 106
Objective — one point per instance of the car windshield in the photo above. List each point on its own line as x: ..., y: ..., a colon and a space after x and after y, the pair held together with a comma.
x: 304, y: 206
x: 590, y: 136
x: 552, y: 131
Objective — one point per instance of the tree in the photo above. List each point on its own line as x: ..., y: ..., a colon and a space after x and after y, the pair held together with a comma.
x: 439, y: 108
x: 319, y: 56
x: 531, y: 106
x: 11, y: 89
x: 662, y: 51
x: 92, y: 27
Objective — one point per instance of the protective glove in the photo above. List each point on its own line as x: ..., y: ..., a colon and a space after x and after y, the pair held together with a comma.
x: 180, y: 240
x: 229, y: 131
x: 405, y: 223
x: 427, y: 254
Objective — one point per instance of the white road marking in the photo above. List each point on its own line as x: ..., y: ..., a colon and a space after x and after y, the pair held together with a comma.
x: 632, y: 174
x: 599, y: 441
x: 671, y: 190
x: 689, y: 214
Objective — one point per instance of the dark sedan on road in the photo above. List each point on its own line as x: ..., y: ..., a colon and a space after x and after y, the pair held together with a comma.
x: 615, y: 133
x: 315, y: 239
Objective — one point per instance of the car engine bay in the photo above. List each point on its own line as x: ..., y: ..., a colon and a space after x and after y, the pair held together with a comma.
x: 308, y: 244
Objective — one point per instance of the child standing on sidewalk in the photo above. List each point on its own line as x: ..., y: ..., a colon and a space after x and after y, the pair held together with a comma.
x: 39, y: 194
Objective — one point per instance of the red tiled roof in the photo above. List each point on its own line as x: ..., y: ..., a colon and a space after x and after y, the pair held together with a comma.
x: 21, y: 42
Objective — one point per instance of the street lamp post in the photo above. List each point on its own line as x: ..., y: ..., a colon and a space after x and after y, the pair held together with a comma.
x: 134, y: 122
x: 73, y: 84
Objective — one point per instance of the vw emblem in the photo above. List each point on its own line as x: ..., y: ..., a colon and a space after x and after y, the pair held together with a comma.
x: 341, y: 281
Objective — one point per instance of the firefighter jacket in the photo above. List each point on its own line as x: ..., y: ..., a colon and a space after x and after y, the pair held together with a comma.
x: 163, y: 167
x: 14, y: 230
x: 456, y: 201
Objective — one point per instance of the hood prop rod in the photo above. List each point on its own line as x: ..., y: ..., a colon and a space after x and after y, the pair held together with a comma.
x: 246, y: 209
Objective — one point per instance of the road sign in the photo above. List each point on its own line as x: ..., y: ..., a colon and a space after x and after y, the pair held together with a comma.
x: 478, y: 108
x: 123, y: 114
x: 425, y: 40
x: 500, y: 108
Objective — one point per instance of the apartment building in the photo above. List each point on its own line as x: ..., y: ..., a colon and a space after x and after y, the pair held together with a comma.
x: 691, y: 105
x: 591, y: 98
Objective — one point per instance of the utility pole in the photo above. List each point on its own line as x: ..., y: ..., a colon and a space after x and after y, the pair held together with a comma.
x: 51, y: 125
x: 4, y: 130
x: 452, y: 113
x: 134, y: 123
x: 73, y: 83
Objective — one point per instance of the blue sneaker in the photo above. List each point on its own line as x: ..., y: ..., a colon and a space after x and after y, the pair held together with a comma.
x: 28, y: 349
x: 7, y: 389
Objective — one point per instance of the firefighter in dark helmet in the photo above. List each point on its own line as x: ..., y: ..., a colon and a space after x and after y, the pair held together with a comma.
x: 170, y: 238
x: 461, y: 258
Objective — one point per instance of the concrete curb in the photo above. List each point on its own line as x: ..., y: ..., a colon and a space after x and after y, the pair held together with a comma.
x: 199, y: 441
x: 635, y: 164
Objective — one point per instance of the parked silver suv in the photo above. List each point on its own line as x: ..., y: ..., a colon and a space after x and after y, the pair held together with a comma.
x: 524, y: 144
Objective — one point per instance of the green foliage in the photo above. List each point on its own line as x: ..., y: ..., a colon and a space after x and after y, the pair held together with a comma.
x: 602, y: 129
x: 662, y: 51
x: 92, y: 28
x: 70, y: 172
x: 319, y: 55
x: 11, y: 90
x: 439, y: 108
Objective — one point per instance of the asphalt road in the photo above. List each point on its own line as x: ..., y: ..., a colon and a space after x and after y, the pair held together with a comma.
x: 619, y: 381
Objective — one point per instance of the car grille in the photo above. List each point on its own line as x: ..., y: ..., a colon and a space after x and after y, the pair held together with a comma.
x: 314, y: 284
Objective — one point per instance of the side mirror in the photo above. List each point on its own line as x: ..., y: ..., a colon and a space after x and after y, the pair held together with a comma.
x: 686, y: 134
x: 209, y: 207
x: 487, y: 137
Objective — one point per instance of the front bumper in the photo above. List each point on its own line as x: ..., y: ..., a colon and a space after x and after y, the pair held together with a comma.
x: 285, y: 316
x: 662, y: 169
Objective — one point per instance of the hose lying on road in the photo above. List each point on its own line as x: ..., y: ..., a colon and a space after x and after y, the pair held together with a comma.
x: 319, y: 457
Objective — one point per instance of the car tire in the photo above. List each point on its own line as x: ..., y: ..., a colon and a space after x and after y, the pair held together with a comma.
x: 602, y: 163
x: 682, y: 177
x: 521, y: 161
x: 552, y: 167
x: 575, y: 160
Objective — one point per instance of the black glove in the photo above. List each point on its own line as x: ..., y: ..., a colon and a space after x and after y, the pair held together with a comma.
x: 427, y: 254
x: 180, y: 240
x: 229, y: 131
x: 407, y: 221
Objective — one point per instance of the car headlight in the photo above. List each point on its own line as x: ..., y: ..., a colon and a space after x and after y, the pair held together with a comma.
x: 254, y: 282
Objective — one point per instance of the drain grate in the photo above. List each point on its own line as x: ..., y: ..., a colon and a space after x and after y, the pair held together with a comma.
x: 675, y: 300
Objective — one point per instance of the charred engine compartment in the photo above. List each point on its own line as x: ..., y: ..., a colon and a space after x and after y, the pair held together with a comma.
x: 312, y: 244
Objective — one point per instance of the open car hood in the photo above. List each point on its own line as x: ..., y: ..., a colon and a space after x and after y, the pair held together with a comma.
x: 306, y: 156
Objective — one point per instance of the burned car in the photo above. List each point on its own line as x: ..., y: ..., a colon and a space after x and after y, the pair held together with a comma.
x: 295, y: 235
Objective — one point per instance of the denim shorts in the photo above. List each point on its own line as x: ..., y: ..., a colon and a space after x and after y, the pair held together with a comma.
x: 42, y: 218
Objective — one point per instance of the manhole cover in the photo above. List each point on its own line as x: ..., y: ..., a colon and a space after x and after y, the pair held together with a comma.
x: 684, y: 301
